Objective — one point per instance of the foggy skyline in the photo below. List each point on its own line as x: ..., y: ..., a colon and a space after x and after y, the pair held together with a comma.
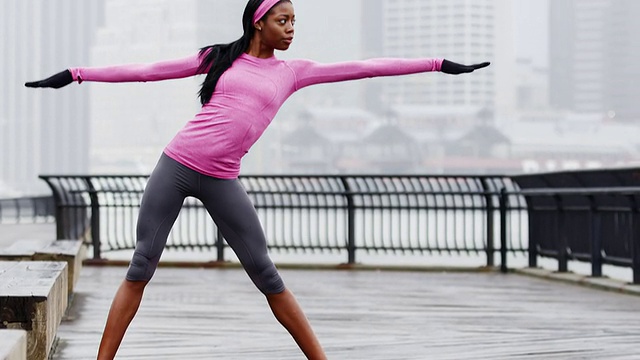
x: 124, y: 127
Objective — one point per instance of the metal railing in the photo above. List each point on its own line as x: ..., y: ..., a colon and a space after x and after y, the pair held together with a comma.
x: 27, y: 210
x: 596, y: 225
x: 479, y: 215
x: 313, y: 214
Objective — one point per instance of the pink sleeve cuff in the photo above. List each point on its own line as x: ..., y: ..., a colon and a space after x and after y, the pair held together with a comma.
x: 438, y: 64
x: 76, y: 75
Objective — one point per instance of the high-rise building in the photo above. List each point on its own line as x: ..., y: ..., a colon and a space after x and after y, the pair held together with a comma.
x: 43, y: 131
x: 622, y: 53
x: 577, y: 52
x: 459, y: 30
x: 593, y: 52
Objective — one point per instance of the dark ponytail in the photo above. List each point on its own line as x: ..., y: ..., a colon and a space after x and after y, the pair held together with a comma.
x: 222, y: 56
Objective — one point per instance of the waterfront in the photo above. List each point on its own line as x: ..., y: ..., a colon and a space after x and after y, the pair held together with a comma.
x: 203, y: 313
x: 218, y: 314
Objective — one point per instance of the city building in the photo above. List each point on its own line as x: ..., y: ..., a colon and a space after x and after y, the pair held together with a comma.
x: 622, y: 84
x: 462, y: 31
x: 594, y: 56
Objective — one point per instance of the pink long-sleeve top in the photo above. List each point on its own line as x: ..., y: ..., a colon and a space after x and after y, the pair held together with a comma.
x: 245, y: 101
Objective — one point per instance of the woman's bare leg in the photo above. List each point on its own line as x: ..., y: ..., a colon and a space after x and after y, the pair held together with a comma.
x: 236, y: 217
x: 164, y: 194
x: 288, y: 312
x: 123, y: 308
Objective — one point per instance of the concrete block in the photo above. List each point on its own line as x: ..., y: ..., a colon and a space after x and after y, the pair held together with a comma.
x: 34, y: 297
x: 73, y: 252
x: 13, y: 344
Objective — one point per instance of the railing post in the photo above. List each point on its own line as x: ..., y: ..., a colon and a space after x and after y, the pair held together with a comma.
x: 351, y: 215
x: 562, y: 237
x: 18, y: 210
x: 636, y: 256
x: 220, y: 246
x: 503, y: 230
x: 60, y: 220
x: 635, y: 240
x: 57, y: 203
x: 95, y: 219
x: 596, y: 239
x: 533, y: 240
x: 490, y: 224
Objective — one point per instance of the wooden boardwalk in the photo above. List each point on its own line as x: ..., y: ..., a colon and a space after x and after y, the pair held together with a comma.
x: 217, y: 314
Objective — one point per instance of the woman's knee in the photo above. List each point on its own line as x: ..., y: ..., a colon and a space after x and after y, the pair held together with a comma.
x: 141, y: 268
x: 267, y: 279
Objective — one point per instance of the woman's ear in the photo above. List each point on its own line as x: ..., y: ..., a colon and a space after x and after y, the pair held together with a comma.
x: 258, y: 25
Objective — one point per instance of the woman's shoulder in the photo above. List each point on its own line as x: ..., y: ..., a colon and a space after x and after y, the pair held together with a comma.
x: 299, y: 64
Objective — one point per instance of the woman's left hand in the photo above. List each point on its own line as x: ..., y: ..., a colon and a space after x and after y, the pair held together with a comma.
x: 449, y: 67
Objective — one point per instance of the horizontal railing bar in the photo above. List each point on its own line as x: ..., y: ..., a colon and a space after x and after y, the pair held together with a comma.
x: 548, y: 253
x: 293, y: 176
x: 325, y: 193
x: 617, y: 261
x: 577, y: 191
x: 585, y: 257
x: 584, y: 209
x: 328, y: 207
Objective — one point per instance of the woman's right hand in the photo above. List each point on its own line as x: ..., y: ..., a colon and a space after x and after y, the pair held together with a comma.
x: 56, y: 81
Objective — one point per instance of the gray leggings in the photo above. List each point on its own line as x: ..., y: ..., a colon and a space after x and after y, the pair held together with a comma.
x: 228, y: 204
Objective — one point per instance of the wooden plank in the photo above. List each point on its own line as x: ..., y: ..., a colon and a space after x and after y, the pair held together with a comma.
x: 13, y: 344
x: 33, y: 297
x: 217, y: 313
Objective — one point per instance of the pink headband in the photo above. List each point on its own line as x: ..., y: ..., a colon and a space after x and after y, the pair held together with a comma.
x: 263, y: 9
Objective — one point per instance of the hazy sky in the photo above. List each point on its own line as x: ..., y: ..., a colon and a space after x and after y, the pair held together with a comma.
x: 531, y: 18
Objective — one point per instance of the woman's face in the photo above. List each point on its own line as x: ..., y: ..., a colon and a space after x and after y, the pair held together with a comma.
x: 277, y: 29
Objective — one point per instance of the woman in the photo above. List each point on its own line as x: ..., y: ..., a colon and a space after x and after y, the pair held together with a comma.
x: 245, y: 85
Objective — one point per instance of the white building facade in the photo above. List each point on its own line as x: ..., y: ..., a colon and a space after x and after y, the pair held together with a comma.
x: 594, y: 57
x: 461, y: 31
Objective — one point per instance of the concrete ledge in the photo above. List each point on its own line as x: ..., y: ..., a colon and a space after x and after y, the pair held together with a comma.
x: 33, y: 297
x: 23, y: 249
x: 602, y: 283
x: 73, y: 252
x: 13, y: 344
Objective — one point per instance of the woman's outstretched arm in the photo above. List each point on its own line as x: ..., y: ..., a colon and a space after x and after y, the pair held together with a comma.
x: 163, y: 70
x: 309, y: 72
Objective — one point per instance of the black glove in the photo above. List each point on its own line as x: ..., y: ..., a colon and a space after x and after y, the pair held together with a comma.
x: 56, y: 81
x: 449, y: 67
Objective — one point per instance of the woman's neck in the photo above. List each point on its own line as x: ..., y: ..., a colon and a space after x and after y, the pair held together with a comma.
x: 257, y: 49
